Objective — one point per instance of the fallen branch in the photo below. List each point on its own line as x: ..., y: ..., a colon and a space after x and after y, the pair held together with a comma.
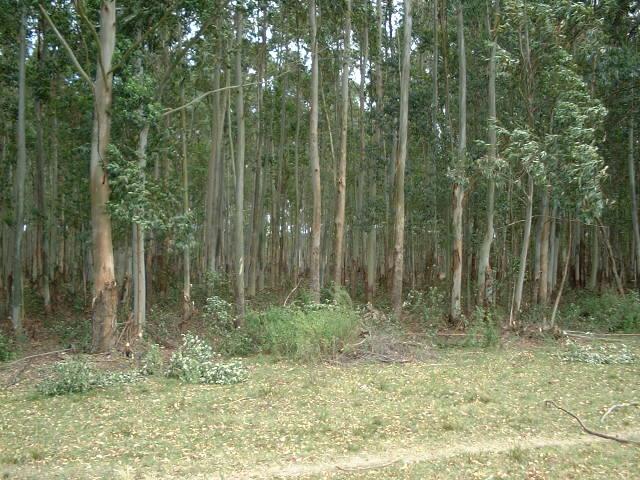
x: 588, y: 430
x: 613, y: 408
x: 34, y: 356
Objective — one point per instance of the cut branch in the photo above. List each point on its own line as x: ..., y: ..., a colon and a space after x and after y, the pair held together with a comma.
x: 625, y: 441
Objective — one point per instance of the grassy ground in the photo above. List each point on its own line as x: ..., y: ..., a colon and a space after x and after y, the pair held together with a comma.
x: 289, y: 415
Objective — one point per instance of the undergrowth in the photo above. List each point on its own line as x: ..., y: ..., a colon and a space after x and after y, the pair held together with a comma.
x: 608, y: 312
x: 304, y: 332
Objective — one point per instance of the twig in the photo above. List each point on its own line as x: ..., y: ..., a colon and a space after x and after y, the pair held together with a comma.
x: 34, y: 356
x: 370, y: 467
x: 231, y: 402
x: 15, y: 378
x: 613, y: 408
x: 291, y: 292
x: 588, y: 430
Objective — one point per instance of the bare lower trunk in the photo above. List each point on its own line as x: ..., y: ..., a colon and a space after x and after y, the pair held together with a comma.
x: 17, y: 308
x: 138, y: 315
x: 517, y: 298
x: 458, y: 188
x: 342, y: 167
x: 595, y: 259
x: 187, y: 307
x: 239, y: 212
x: 543, y: 290
x: 105, y: 296
x: 634, y: 196
x: 314, y: 162
x: 398, y: 251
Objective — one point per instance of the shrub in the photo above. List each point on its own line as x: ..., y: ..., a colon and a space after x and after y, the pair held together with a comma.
x: 193, y: 363
x: 307, y: 333
x: 6, y: 349
x: 77, y: 376
x: 71, y: 376
x: 483, y: 331
x: 608, y: 312
x: 430, y: 304
x: 152, y: 362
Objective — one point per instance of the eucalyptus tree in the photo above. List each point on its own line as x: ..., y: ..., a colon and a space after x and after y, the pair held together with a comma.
x: 401, y: 158
x: 314, y: 159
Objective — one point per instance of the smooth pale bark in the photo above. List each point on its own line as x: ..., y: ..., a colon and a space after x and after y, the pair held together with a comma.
x: 341, y: 186
x: 314, y: 162
x: 210, y: 199
x: 372, y: 272
x: 239, y: 200
x: 484, y: 268
x: 17, y: 306
x: 258, y: 201
x: 526, y: 237
x: 401, y: 158
x: 105, y: 298
x: 458, y: 187
x: 552, y: 321
x: 42, y: 247
x: 187, y: 305
x: 595, y: 259
x: 543, y: 289
x: 634, y: 196
x: 138, y: 315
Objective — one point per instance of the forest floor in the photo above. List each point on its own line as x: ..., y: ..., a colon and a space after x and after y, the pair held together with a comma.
x: 463, y: 414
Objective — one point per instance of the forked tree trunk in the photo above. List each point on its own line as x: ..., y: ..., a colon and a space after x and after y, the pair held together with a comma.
x: 105, y: 298
x: 314, y: 162
x: 341, y: 184
x: 401, y: 158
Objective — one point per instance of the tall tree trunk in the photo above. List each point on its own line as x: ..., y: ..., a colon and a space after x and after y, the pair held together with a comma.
x: 458, y: 187
x: 543, y: 290
x: 239, y: 211
x: 372, y: 271
x: 517, y: 298
x: 314, y: 162
x: 634, y: 196
x: 401, y: 158
x: 105, y: 301
x: 484, y: 268
x: 342, y: 166
x: 187, y: 307
x: 17, y: 304
x: 139, y: 272
x: 595, y: 259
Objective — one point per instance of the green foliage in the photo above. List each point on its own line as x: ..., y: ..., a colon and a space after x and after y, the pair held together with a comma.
x: 430, y: 304
x: 193, y: 363
x: 307, y: 333
x: 608, y: 312
x: 605, y: 354
x: 6, y: 348
x: 152, y: 362
x: 219, y: 310
x: 76, y: 375
x: 76, y: 332
x: 71, y: 376
x: 483, y: 330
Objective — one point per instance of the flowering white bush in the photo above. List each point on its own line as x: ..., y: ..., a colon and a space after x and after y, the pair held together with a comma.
x: 194, y: 362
